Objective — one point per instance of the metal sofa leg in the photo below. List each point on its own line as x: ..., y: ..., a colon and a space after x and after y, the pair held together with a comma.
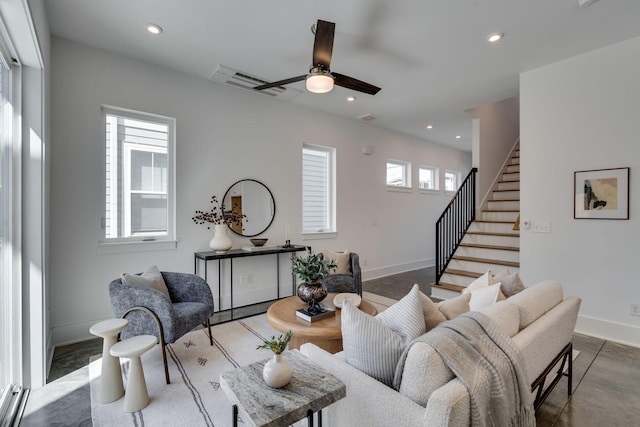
x: 160, y: 334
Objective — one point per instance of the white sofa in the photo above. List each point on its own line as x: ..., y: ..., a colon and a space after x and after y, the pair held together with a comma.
x: 540, y: 321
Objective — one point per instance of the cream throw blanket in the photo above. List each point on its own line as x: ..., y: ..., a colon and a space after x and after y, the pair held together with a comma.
x: 487, y: 362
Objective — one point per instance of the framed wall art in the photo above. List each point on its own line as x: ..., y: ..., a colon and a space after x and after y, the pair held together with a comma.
x: 601, y: 194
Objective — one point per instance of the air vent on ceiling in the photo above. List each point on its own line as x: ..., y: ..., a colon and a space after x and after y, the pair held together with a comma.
x: 367, y: 117
x: 237, y: 78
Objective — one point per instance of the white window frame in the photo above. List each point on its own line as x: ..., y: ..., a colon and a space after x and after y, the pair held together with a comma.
x: 141, y: 241
x: 458, y: 178
x: 406, y: 174
x: 435, y: 172
x: 330, y: 230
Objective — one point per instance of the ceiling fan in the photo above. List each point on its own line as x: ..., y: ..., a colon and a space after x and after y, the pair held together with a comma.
x: 320, y: 78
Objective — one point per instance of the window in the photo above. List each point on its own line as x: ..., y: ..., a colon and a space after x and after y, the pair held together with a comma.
x: 398, y: 173
x: 139, y: 184
x: 428, y: 178
x: 10, y: 330
x: 451, y: 180
x: 318, y: 189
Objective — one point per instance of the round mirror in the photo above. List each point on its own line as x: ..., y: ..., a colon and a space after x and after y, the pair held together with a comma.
x: 254, y: 200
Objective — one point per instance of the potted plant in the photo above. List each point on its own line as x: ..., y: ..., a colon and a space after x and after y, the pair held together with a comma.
x: 221, y: 218
x: 311, y: 270
x: 277, y: 372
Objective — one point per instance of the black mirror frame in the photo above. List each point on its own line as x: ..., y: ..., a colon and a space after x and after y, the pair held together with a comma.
x: 273, y: 201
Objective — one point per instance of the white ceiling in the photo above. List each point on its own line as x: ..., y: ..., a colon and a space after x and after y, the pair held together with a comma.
x: 430, y: 57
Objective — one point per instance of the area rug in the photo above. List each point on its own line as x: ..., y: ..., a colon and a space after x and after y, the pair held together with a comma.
x: 194, y: 397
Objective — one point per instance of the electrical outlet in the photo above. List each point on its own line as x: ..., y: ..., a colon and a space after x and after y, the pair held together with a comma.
x: 243, y: 279
x: 542, y: 227
x: 634, y: 309
x: 374, y: 221
x: 249, y: 278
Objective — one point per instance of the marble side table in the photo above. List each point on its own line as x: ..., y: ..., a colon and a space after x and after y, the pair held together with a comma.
x: 111, y: 375
x: 310, y: 390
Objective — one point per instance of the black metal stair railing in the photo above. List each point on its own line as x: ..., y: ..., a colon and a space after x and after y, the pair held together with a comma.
x: 454, y: 222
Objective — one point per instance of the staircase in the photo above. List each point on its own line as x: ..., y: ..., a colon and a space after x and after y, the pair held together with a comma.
x: 491, y: 242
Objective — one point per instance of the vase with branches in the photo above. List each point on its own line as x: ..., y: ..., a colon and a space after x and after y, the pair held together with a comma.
x: 221, y: 218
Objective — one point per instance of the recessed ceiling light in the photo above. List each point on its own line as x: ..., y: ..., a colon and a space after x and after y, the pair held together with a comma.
x: 494, y: 37
x: 351, y: 98
x: 154, y: 29
x: 429, y: 126
x: 458, y: 136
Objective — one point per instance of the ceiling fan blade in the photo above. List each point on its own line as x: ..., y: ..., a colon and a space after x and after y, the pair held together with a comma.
x: 323, y: 44
x: 281, y: 82
x: 355, y: 84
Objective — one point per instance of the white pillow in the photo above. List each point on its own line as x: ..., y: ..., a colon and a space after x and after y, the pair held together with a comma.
x: 374, y: 345
x: 152, y: 278
x: 483, y: 281
x: 484, y: 296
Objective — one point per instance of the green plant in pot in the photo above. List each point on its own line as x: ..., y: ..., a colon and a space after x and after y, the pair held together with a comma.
x: 311, y: 270
x: 277, y: 372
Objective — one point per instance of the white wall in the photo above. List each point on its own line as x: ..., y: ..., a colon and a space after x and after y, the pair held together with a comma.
x: 496, y: 128
x: 583, y: 114
x: 223, y: 134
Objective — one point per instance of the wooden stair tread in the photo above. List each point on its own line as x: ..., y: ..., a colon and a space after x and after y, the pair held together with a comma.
x: 502, y: 191
x: 497, y: 247
x: 493, y: 222
x: 448, y: 286
x: 505, y: 200
x: 486, y: 261
x: 501, y: 210
x: 465, y: 273
x: 488, y: 233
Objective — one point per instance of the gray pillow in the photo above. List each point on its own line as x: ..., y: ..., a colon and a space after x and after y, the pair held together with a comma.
x: 152, y: 278
x: 374, y: 345
x: 511, y: 282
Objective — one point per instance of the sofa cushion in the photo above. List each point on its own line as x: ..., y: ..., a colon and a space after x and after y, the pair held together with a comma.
x: 536, y: 300
x: 454, y: 307
x: 152, y: 278
x: 424, y: 372
x: 432, y: 316
x: 506, y: 315
x: 374, y: 345
x: 483, y: 281
x: 342, y: 260
x: 484, y: 297
x: 511, y: 282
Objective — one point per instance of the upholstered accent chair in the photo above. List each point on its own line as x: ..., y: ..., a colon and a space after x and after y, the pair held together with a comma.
x: 346, y: 282
x: 150, y: 312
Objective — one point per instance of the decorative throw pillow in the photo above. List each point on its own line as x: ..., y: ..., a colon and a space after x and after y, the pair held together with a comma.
x: 484, y: 297
x: 152, y: 278
x: 374, y: 345
x: 341, y: 259
x: 511, y: 282
x: 485, y: 280
x: 432, y: 316
x: 454, y: 307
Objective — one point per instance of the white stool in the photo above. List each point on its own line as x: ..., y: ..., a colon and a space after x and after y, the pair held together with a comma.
x: 136, y: 396
x: 111, y: 375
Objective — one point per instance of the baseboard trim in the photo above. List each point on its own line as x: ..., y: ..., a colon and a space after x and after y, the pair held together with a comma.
x: 607, y: 330
x: 377, y: 273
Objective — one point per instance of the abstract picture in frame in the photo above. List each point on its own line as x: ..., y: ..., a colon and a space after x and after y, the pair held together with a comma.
x: 601, y: 194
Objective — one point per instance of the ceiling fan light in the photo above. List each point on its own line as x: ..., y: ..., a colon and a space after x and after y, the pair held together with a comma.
x: 319, y: 82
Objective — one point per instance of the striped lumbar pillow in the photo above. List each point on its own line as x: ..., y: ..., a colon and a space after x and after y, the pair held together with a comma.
x: 374, y: 345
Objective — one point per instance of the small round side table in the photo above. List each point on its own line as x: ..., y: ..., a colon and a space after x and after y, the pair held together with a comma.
x: 136, y: 395
x: 111, y: 375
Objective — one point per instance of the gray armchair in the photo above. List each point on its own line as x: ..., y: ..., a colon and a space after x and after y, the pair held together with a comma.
x: 346, y: 282
x: 150, y: 312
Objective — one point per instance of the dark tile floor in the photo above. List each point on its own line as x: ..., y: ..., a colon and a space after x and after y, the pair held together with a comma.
x: 605, y: 382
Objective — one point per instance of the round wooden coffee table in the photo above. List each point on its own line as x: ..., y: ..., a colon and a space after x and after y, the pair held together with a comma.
x: 325, y: 333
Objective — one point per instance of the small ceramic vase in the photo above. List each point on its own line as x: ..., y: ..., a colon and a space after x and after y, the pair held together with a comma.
x: 277, y: 372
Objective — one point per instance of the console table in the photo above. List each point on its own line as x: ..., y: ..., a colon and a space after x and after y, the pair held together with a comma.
x: 205, y: 257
